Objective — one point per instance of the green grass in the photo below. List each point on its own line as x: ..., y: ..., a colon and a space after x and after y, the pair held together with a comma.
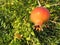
x: 14, y: 18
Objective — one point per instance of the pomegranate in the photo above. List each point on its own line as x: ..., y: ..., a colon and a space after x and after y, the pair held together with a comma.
x: 39, y: 15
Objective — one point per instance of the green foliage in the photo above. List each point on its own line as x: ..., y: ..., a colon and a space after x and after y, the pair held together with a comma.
x: 14, y: 18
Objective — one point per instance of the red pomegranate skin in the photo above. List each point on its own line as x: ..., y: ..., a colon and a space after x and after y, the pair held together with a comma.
x: 39, y: 15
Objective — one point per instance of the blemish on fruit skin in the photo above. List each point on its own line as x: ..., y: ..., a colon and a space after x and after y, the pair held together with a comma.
x: 39, y: 15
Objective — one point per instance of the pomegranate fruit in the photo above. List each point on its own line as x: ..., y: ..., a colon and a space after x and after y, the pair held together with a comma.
x: 39, y: 15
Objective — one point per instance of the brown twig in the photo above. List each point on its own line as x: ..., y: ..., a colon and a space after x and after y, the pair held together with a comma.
x: 54, y: 22
x: 39, y: 3
x: 55, y: 4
